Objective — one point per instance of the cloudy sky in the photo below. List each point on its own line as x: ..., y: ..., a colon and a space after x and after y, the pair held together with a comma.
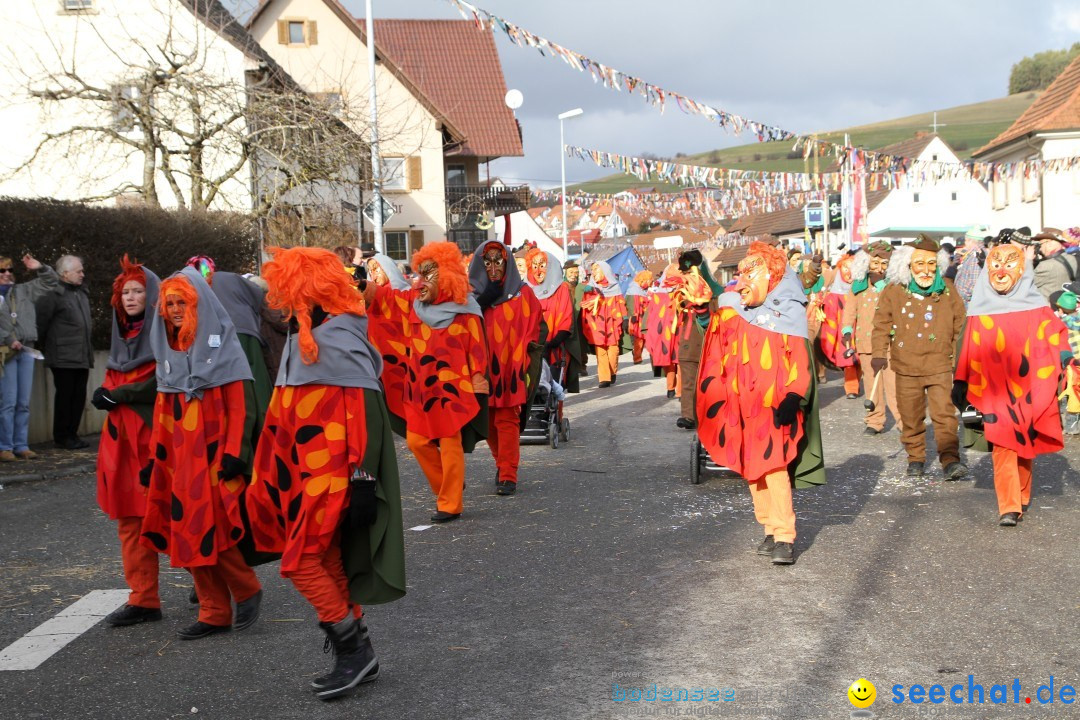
x: 801, y: 66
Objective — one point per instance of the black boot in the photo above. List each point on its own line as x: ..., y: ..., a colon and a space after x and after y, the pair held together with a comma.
x: 132, y: 615
x: 354, y: 659
x: 361, y: 626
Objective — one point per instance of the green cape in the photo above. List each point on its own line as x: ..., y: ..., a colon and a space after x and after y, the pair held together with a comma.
x: 808, y: 468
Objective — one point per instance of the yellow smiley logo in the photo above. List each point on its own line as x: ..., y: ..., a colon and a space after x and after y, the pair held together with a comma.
x: 862, y: 693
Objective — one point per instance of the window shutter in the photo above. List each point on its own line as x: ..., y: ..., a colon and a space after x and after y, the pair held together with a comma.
x: 312, y: 33
x: 282, y: 32
x: 416, y: 240
x: 416, y: 178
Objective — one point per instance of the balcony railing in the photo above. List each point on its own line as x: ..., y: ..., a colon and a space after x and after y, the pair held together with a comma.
x: 465, y: 201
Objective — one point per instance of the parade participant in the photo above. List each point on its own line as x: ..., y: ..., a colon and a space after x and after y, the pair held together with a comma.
x: 1055, y: 267
x: 325, y: 491
x: 388, y: 327
x: 557, y: 303
x: 661, y: 326
x: 834, y: 346
x: 512, y: 316
x: 195, y: 475
x: 572, y: 275
x: 602, y: 313
x: 868, y: 280
x: 691, y: 292
x: 757, y: 398
x: 916, y: 326
x: 1070, y: 396
x: 971, y: 255
x: 1011, y: 356
x: 811, y: 275
x: 637, y: 303
x: 128, y: 395
x: 446, y: 396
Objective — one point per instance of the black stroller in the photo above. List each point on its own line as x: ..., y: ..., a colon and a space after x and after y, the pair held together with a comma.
x: 701, y: 462
x: 546, y: 422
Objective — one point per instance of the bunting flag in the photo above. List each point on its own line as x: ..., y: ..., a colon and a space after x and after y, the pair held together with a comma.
x: 876, y: 163
x: 704, y: 205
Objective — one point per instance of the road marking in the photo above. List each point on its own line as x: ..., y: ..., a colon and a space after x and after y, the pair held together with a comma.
x: 48, y: 638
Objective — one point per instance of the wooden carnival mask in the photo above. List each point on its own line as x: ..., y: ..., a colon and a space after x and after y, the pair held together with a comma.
x: 598, y: 275
x: 428, y: 287
x: 494, y: 258
x: 753, y: 283
x: 1004, y: 265
x: 375, y: 272
x: 520, y: 262
x: 845, y: 271
x: 538, y: 269
x: 878, y: 266
x: 923, y: 267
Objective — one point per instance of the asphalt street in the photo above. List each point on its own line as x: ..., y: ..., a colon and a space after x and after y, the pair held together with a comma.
x: 608, y: 572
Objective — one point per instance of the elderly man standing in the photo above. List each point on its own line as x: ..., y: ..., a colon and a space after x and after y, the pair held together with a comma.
x: 64, y: 323
x: 1056, y: 267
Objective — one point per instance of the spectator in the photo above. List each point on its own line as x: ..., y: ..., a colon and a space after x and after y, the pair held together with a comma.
x: 1056, y: 268
x: 970, y: 260
x: 18, y: 333
x: 64, y: 325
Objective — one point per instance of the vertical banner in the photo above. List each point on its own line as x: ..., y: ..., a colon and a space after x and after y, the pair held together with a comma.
x: 859, y: 234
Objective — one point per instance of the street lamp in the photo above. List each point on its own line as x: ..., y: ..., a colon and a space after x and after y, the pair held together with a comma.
x: 562, y: 154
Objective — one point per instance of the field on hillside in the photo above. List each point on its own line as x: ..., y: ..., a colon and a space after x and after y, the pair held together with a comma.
x: 966, y: 128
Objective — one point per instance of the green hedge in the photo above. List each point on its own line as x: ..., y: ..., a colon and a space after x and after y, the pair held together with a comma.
x: 161, y: 239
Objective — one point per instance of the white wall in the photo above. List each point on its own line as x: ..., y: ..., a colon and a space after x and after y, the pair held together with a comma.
x: 523, y: 229
x: 1056, y: 203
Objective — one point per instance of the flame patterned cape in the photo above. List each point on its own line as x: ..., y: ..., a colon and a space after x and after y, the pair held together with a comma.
x: 831, y: 338
x: 661, y: 327
x: 601, y: 318
x: 124, y: 449
x: 511, y: 327
x: 388, y: 328
x: 559, y: 315
x: 1012, y: 365
x: 746, y: 371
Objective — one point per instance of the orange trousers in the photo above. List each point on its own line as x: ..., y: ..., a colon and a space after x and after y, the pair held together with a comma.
x: 215, y: 584
x: 773, y: 505
x: 1012, y: 480
x: 607, y: 362
x: 443, y: 463
x: 639, y: 345
x: 321, y: 580
x: 851, y: 380
x: 140, y: 564
x: 504, y: 439
x: 671, y: 376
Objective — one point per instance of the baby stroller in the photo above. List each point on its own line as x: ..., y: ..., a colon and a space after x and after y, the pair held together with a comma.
x: 546, y: 422
x: 700, y: 461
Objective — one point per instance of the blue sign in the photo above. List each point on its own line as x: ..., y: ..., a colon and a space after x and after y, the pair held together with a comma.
x: 815, y: 216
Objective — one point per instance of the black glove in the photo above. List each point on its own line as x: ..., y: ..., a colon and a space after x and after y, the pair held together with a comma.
x: 788, y: 410
x: 556, y: 342
x: 626, y: 325
x: 232, y: 466
x: 489, y: 295
x: 102, y: 400
x: 362, y: 502
x: 144, y: 474
x: 878, y: 364
x: 959, y: 395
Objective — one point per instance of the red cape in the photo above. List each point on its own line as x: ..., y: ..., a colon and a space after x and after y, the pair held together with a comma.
x: 510, y: 327
x: 123, y: 451
x: 603, y: 327
x: 831, y: 337
x: 388, y: 327
x: 660, y: 329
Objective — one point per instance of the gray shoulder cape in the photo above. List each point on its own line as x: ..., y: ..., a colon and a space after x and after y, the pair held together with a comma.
x: 784, y: 309
x: 346, y: 356
x: 129, y: 353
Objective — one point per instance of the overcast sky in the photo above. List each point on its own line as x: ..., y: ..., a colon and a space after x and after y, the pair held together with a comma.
x: 801, y: 66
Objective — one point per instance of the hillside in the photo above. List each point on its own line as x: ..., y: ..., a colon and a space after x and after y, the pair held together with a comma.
x: 965, y: 127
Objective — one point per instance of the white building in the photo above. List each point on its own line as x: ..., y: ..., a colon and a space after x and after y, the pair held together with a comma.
x: 1049, y: 129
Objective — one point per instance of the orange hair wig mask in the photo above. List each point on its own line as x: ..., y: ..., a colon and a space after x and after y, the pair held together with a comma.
x: 532, y: 255
x: 180, y: 287
x: 644, y: 279
x: 453, y: 280
x: 129, y: 270
x: 775, y: 261
x: 843, y: 266
x: 300, y: 278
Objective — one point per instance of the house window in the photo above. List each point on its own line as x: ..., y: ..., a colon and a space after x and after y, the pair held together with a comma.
x: 76, y: 6
x: 468, y: 240
x: 915, y: 198
x: 393, y: 173
x: 1029, y: 188
x: 954, y: 197
x: 1000, y: 193
x: 455, y: 176
x: 934, y: 157
x: 297, y: 32
x: 123, y: 117
x: 397, y: 245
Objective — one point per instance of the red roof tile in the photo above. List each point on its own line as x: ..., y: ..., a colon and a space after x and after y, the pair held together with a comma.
x: 1056, y: 109
x: 457, y: 67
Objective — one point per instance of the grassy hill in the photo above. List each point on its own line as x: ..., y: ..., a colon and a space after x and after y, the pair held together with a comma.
x: 965, y: 127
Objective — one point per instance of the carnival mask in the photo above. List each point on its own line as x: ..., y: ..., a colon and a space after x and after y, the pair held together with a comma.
x: 538, y: 270
x: 598, y: 275
x: 376, y: 273
x: 923, y: 267
x: 428, y: 282
x: 494, y: 258
x: 878, y: 266
x: 845, y: 272
x: 795, y: 260
x: 572, y: 275
x: 753, y: 283
x: 520, y: 262
x: 1004, y: 265
x: 175, y: 309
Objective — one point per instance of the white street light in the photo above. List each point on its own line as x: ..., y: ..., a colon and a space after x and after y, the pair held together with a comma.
x: 562, y: 155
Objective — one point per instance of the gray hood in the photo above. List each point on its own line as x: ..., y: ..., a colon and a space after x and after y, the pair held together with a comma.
x: 441, y: 315
x: 613, y: 289
x: 393, y: 272
x: 552, y: 280
x: 511, y: 284
x: 784, y: 309
x: 985, y: 300
x: 129, y: 353
x: 346, y: 356
x: 242, y: 299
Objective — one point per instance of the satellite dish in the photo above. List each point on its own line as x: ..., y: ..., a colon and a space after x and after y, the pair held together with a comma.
x: 514, y: 99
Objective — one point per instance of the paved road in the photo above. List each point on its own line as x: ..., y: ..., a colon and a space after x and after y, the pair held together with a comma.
x: 608, y: 567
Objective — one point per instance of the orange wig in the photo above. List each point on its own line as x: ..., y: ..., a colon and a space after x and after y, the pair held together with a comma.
x: 180, y: 287
x: 129, y: 270
x: 775, y: 260
x: 644, y: 279
x: 453, y: 280
x: 845, y: 262
x: 300, y: 278
x: 529, y: 257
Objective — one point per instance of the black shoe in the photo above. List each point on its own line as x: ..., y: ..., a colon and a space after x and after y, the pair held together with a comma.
x: 1009, y: 519
x: 247, y: 612
x: 783, y: 554
x: 1023, y: 511
x: 670, y: 394
x: 604, y: 384
x: 505, y: 487
x: 852, y: 396
x: 354, y: 660
x: 915, y: 469
x: 442, y: 517
x: 955, y: 470
x: 766, y: 546
x: 871, y: 431
x: 132, y: 615
x: 193, y: 597
x: 612, y: 378
x: 201, y: 630
x: 685, y: 423
x: 72, y: 444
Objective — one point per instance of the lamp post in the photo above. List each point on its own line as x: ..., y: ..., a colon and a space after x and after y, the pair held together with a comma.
x: 562, y: 155
x: 377, y: 224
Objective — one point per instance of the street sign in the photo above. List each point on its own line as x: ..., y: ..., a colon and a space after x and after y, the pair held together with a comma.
x: 814, y: 215
x: 836, y: 212
x: 667, y: 242
x: 387, y: 210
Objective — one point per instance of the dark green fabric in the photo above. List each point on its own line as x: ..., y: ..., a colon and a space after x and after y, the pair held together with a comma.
x: 256, y: 395
x: 808, y: 469
x: 532, y: 378
x: 936, y: 288
x: 816, y: 287
x: 860, y: 285
x: 970, y: 438
x: 476, y: 429
x: 716, y: 287
x: 374, y: 557
x: 140, y: 397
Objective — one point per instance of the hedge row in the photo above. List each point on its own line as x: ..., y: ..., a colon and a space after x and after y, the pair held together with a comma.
x: 161, y: 239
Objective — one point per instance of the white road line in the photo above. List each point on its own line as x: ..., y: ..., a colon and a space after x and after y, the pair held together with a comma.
x: 48, y: 638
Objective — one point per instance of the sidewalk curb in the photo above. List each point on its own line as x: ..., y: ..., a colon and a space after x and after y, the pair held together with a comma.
x: 48, y: 474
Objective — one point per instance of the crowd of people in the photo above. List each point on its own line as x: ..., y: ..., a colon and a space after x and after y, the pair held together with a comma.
x: 250, y: 419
